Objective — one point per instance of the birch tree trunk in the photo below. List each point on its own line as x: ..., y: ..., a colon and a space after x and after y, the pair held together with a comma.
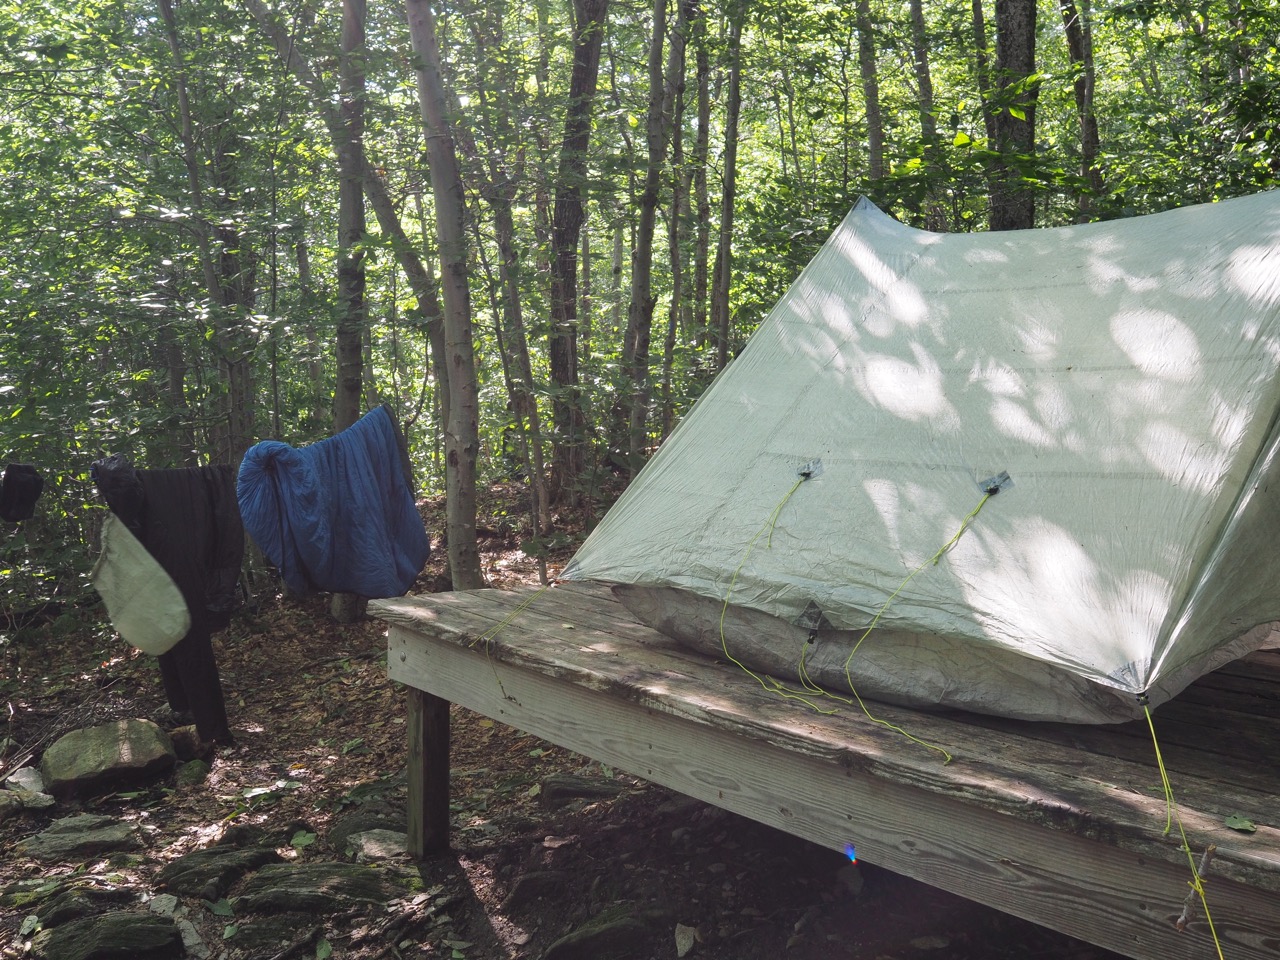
x: 462, y: 429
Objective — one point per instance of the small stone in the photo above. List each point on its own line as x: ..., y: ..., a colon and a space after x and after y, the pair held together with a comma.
x: 26, y: 778
x: 10, y: 803
x: 163, y: 905
x: 192, y: 942
x: 377, y: 845
x: 686, y: 937
x: 192, y: 773
x: 31, y: 800
x: 930, y: 943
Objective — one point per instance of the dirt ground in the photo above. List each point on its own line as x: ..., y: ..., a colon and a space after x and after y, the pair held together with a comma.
x: 320, y: 736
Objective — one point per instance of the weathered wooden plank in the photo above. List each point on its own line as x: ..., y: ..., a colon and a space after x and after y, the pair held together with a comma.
x: 1115, y: 898
x: 1061, y: 789
x: 1064, y: 789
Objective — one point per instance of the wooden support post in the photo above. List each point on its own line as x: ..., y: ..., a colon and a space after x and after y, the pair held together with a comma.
x: 428, y: 772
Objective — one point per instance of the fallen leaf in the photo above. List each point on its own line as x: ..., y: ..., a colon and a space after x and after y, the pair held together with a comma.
x: 1243, y: 824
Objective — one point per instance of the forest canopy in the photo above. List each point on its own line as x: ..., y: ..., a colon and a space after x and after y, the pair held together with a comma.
x: 536, y: 230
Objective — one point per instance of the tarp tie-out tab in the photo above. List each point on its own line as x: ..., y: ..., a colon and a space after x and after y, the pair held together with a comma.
x: 813, y: 619
x: 993, y: 485
x: 811, y: 469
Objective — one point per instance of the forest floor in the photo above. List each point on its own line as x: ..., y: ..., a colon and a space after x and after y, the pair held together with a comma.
x: 320, y: 735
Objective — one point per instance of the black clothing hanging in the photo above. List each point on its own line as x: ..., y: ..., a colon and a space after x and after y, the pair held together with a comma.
x: 19, y: 490
x: 188, y: 520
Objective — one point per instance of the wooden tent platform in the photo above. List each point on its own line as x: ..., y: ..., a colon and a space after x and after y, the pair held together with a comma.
x: 1059, y: 824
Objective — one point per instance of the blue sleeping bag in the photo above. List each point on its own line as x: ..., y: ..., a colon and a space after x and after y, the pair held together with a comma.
x: 337, y: 515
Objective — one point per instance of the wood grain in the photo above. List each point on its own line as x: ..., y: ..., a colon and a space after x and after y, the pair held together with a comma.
x: 1061, y: 825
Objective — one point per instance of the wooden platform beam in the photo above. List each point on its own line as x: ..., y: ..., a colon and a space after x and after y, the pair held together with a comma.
x: 428, y: 772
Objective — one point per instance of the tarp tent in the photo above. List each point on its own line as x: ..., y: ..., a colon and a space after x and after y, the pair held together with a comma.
x: 1124, y: 375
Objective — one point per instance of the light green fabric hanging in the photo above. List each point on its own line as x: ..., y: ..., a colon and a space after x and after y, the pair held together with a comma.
x: 145, y: 605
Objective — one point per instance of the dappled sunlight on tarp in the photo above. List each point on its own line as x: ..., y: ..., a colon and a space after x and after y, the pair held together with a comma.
x: 1124, y: 376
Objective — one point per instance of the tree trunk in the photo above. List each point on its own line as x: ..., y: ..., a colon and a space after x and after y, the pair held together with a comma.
x: 352, y: 317
x: 226, y: 264
x: 701, y: 149
x: 566, y: 223
x: 499, y: 190
x: 870, y: 92
x: 351, y: 223
x: 724, y: 251
x: 1080, y: 47
x: 462, y: 430
x: 416, y: 273
x: 675, y: 233
x: 662, y: 95
x: 1012, y: 197
x: 982, y: 65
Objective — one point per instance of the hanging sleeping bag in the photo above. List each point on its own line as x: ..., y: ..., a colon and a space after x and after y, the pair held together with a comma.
x: 337, y: 515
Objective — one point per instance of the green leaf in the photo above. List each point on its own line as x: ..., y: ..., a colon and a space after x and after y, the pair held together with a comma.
x: 29, y: 926
x: 1243, y: 824
x: 324, y: 950
x: 303, y: 838
x: 229, y: 931
x: 962, y: 140
x: 221, y: 909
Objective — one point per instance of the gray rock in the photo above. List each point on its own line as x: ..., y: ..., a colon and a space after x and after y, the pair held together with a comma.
x: 75, y: 902
x: 10, y: 803
x: 121, y: 935
x: 26, y: 778
x: 313, y: 888
x: 31, y: 800
x: 210, y: 873
x: 79, y: 837
x: 126, y: 753
x: 192, y: 772
x: 533, y: 886
x: 191, y: 939
x: 377, y: 845
x: 618, y: 933
x: 362, y: 821
x: 287, y: 934
x: 563, y: 788
x: 165, y: 905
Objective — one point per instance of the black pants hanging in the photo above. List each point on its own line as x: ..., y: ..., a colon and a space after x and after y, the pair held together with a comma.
x: 189, y: 521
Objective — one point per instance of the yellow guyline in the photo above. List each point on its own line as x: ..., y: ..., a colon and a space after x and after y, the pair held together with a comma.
x: 810, y: 688
x: 932, y: 561
x: 1171, y: 817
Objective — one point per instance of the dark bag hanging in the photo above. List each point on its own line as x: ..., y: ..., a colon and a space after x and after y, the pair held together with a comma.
x: 19, y: 491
